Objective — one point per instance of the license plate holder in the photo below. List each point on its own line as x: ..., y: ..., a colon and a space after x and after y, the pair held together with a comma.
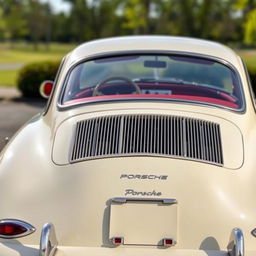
x: 143, y: 221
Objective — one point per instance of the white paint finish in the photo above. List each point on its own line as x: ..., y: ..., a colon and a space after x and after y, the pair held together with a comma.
x: 77, y: 198
x: 212, y: 200
x: 133, y: 43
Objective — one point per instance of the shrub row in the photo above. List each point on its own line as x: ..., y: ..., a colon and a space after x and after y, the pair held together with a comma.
x: 32, y: 75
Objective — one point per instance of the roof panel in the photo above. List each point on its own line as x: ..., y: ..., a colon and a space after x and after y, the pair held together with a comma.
x: 154, y: 43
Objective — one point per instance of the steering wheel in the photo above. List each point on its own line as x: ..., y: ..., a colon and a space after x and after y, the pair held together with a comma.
x: 97, y: 92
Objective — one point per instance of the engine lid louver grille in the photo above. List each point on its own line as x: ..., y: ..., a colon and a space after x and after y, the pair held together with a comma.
x: 128, y: 135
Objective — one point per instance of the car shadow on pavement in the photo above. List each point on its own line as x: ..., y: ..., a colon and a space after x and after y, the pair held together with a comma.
x: 20, y: 248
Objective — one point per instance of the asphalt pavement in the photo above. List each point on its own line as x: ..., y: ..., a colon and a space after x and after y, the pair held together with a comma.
x: 15, y: 111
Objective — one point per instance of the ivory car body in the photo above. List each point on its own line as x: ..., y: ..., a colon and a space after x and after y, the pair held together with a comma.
x: 146, y: 147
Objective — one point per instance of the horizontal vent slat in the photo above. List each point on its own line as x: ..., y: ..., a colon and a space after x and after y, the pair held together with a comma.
x: 170, y: 136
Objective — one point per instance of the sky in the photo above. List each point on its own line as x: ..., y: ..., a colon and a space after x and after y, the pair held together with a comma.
x: 58, y: 5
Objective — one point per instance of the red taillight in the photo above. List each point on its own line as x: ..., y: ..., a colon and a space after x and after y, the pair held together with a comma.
x: 117, y: 240
x: 168, y: 242
x: 10, y: 228
x: 46, y: 89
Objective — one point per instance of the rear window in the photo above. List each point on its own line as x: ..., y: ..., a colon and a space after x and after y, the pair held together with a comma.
x: 174, y: 78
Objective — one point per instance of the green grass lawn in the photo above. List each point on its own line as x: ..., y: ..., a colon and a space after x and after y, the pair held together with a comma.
x: 8, y: 77
x: 24, y: 54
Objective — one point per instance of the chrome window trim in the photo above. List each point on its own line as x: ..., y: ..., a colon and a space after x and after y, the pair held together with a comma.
x: 62, y: 107
x: 30, y: 229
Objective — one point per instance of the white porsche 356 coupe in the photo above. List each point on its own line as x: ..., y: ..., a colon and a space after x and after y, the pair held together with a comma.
x: 146, y: 148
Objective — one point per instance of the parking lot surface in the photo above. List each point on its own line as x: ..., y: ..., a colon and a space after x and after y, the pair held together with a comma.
x: 14, y: 113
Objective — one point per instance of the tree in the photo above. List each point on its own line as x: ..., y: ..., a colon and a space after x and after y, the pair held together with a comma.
x: 206, y: 18
x: 79, y: 20
x: 2, y: 24
x: 38, y: 17
x: 248, y: 11
x: 103, y: 20
x: 250, y: 28
x: 15, y: 25
x: 220, y: 20
x: 138, y: 14
x: 60, y: 23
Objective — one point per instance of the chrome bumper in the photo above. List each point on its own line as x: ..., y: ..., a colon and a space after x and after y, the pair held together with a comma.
x: 48, y: 241
x: 236, y: 243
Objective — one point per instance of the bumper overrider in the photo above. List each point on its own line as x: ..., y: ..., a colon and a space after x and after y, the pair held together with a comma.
x: 49, y: 247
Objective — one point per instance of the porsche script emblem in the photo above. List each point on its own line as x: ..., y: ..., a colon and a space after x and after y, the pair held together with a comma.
x: 131, y: 192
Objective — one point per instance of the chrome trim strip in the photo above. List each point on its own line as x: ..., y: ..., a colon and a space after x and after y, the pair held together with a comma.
x: 123, y: 200
x: 236, y: 243
x: 56, y: 81
x: 48, y: 241
x: 146, y: 155
x: 30, y: 229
